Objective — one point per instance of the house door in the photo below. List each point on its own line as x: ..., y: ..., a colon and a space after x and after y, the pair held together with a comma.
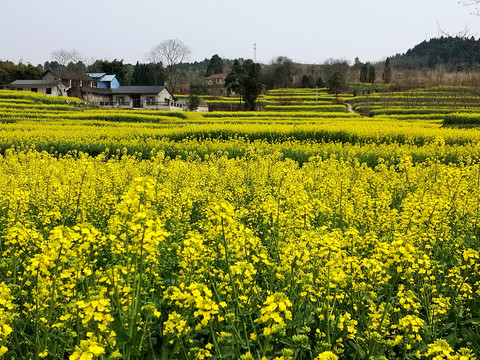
x: 137, y: 103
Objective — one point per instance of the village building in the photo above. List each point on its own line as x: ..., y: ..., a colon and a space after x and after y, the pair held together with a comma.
x: 103, y: 90
x: 142, y: 97
x: 216, y: 84
x: 202, y: 106
x: 65, y: 82
x: 104, y: 81
x: 49, y: 84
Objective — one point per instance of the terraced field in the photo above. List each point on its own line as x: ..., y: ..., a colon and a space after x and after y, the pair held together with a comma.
x: 301, y: 231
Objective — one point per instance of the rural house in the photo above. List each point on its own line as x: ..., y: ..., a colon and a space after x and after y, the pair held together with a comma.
x: 65, y: 82
x: 202, y: 105
x: 216, y: 83
x: 103, y: 90
x: 49, y: 84
x: 216, y: 79
x: 143, y: 97
x: 104, y: 81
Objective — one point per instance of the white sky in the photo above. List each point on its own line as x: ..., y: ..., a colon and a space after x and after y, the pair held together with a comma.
x: 307, y: 31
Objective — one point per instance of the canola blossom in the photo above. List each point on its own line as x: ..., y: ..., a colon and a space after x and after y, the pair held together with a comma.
x: 108, y: 254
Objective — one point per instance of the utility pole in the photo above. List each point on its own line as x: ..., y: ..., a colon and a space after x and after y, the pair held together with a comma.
x: 254, y: 52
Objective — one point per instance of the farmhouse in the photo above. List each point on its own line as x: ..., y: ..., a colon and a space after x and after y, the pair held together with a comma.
x: 50, y: 84
x: 202, y: 105
x: 216, y: 83
x: 104, y: 81
x: 64, y: 82
x: 103, y: 90
x: 142, y: 97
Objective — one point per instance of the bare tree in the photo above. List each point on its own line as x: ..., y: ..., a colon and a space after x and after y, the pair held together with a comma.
x: 75, y: 56
x: 63, y: 57
x: 462, y: 34
x: 472, y: 3
x: 171, y: 53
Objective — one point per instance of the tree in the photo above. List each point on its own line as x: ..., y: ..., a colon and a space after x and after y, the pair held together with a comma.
x: 215, y: 66
x: 193, y: 101
x: 10, y: 72
x: 245, y: 80
x: 78, y: 67
x: 330, y: 66
x: 387, y: 72
x: 64, y: 57
x: 171, y: 53
x: 233, y: 81
x: 472, y: 3
x: 364, y: 73
x: 148, y: 74
x: 357, y: 64
x: 336, y: 83
x: 284, y: 71
x: 252, y: 86
x: 371, y: 74
x: 140, y: 75
x: 308, y: 81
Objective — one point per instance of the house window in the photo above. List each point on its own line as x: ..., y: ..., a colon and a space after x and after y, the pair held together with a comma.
x: 34, y: 90
x: 121, y: 100
x: 49, y: 91
x: 150, y: 100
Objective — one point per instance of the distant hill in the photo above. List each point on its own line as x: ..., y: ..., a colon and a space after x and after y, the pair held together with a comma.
x: 451, y: 53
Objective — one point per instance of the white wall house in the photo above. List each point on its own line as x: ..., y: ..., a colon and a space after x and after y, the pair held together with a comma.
x: 48, y: 85
x: 143, y: 97
x: 202, y: 106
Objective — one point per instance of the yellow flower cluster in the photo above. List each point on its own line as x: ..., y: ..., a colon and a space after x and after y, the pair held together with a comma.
x: 6, y: 315
x: 96, y: 310
x: 88, y: 349
x: 195, y: 296
x: 275, y: 310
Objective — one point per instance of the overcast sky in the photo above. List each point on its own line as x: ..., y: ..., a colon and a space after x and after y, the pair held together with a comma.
x: 307, y: 31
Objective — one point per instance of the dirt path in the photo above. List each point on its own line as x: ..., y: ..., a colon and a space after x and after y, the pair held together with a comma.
x: 349, y: 108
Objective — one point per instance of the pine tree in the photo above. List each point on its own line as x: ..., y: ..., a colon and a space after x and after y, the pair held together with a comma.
x: 364, y: 73
x: 245, y: 80
x: 215, y: 66
x: 387, y: 72
x: 252, y: 85
x: 371, y: 74
x: 336, y: 83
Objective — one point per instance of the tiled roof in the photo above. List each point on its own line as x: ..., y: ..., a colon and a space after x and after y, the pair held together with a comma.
x: 107, y: 78
x: 138, y: 89
x: 32, y: 82
x: 217, y: 76
x: 96, y: 75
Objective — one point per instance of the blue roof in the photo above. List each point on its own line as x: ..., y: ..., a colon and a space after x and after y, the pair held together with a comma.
x: 108, y: 78
x: 96, y: 75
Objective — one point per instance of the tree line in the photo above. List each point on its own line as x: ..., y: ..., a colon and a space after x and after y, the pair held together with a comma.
x: 453, y: 53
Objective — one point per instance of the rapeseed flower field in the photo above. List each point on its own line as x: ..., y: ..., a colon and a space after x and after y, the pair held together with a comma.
x: 190, y: 237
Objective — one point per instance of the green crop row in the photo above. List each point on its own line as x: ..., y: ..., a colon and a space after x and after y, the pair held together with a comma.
x: 36, y: 97
x: 400, y: 111
x: 50, y: 106
x: 462, y: 119
x: 122, y: 116
x: 326, y: 108
x: 279, y: 114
